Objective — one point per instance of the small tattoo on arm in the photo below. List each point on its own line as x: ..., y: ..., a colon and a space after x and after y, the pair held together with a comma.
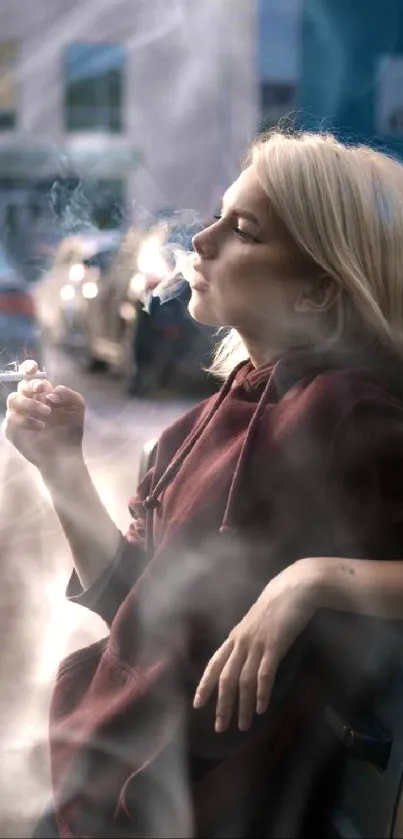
x: 347, y: 568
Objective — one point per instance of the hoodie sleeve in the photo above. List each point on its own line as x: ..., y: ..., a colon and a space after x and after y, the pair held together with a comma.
x: 106, y: 595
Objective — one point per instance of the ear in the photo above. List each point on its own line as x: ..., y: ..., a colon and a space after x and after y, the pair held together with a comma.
x: 319, y: 296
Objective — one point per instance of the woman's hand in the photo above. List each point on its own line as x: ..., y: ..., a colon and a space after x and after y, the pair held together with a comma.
x: 43, y: 422
x: 245, y: 666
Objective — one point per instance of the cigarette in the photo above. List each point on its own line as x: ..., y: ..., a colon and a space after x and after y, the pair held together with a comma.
x: 14, y: 376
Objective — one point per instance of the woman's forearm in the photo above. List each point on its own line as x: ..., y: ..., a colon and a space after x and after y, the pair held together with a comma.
x: 365, y: 586
x: 92, y: 535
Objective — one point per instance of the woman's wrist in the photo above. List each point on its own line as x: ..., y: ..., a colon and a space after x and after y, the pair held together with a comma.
x: 65, y: 473
x: 328, y: 581
x: 315, y: 580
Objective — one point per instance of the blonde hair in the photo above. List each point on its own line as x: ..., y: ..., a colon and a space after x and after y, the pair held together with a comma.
x: 342, y: 206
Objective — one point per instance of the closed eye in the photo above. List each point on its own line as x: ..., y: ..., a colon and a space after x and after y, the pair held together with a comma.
x: 243, y: 234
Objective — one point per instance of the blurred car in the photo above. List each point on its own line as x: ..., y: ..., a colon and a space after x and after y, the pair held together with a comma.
x: 147, y: 350
x: 58, y: 295
x: 20, y: 335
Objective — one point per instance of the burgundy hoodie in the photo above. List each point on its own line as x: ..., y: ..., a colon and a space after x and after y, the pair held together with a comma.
x: 300, y: 458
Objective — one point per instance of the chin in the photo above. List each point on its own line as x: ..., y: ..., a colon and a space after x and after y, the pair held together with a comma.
x: 200, y: 310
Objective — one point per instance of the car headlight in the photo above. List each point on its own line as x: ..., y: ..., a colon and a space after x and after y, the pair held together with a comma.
x: 89, y: 290
x: 150, y: 259
x: 67, y: 293
x: 137, y: 285
x: 77, y: 273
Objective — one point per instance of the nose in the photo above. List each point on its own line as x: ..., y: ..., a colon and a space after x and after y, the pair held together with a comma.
x: 205, y: 243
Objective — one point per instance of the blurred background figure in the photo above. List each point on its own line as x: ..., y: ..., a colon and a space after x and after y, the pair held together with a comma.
x: 121, y: 125
x: 93, y: 303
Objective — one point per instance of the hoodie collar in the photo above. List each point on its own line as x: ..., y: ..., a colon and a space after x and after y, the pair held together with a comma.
x: 273, y: 381
x: 303, y: 365
x: 254, y: 377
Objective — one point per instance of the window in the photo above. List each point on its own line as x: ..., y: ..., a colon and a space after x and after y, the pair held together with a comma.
x: 94, y: 87
x: 277, y: 100
x: 278, y: 48
x: 8, y: 95
x: 389, y: 117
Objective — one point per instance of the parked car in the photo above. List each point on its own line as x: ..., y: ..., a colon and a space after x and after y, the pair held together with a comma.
x: 146, y: 350
x: 58, y: 295
x: 20, y: 335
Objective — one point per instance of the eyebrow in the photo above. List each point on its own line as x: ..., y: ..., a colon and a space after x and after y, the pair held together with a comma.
x: 247, y: 215
x: 243, y: 213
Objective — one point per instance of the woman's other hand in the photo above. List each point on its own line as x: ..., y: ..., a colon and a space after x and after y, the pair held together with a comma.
x: 245, y: 666
x: 44, y: 423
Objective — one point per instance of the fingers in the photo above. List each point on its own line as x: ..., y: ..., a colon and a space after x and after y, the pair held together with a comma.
x: 24, y: 413
x: 234, y: 669
x: 43, y: 390
x: 27, y: 408
x: 35, y: 388
x: 212, y: 674
x: 15, y: 422
x: 228, y: 689
x: 253, y: 674
x: 265, y: 680
x: 248, y: 689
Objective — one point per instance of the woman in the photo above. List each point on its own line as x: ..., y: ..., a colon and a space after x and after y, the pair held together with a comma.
x: 237, y: 531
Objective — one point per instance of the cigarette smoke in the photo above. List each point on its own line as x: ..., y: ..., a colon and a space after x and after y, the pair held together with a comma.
x: 169, y: 74
x: 38, y: 627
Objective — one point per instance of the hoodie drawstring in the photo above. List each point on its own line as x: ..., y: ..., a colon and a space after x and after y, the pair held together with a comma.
x: 152, y: 502
x: 228, y: 521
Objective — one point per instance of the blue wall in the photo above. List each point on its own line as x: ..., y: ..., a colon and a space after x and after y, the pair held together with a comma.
x: 341, y: 42
x: 277, y: 39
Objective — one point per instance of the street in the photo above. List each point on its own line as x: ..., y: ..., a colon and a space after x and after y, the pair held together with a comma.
x: 38, y: 627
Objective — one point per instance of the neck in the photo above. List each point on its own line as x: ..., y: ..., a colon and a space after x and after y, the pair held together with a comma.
x: 260, y: 353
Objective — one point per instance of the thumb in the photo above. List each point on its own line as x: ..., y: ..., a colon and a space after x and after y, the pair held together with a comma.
x: 29, y: 368
x: 66, y: 398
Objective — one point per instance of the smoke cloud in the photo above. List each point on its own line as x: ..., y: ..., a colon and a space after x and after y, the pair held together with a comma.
x: 193, y: 111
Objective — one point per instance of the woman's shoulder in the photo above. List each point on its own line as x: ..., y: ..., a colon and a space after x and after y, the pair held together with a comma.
x: 342, y: 378
x: 339, y: 419
x: 358, y: 397
x: 331, y: 400
x: 356, y: 384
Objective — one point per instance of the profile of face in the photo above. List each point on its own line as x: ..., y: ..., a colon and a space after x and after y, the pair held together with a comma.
x: 248, y: 273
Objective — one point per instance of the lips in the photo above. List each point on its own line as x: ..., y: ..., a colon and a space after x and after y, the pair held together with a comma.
x: 197, y: 280
x: 199, y: 285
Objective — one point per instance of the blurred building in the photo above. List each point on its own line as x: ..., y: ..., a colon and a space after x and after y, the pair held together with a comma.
x: 336, y: 65
x: 352, y: 69
x: 278, y: 38
x: 111, y: 107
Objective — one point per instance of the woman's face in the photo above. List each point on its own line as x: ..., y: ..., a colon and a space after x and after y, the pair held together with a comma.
x: 247, y: 274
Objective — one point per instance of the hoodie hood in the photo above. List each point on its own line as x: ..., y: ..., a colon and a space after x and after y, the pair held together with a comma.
x: 265, y: 384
